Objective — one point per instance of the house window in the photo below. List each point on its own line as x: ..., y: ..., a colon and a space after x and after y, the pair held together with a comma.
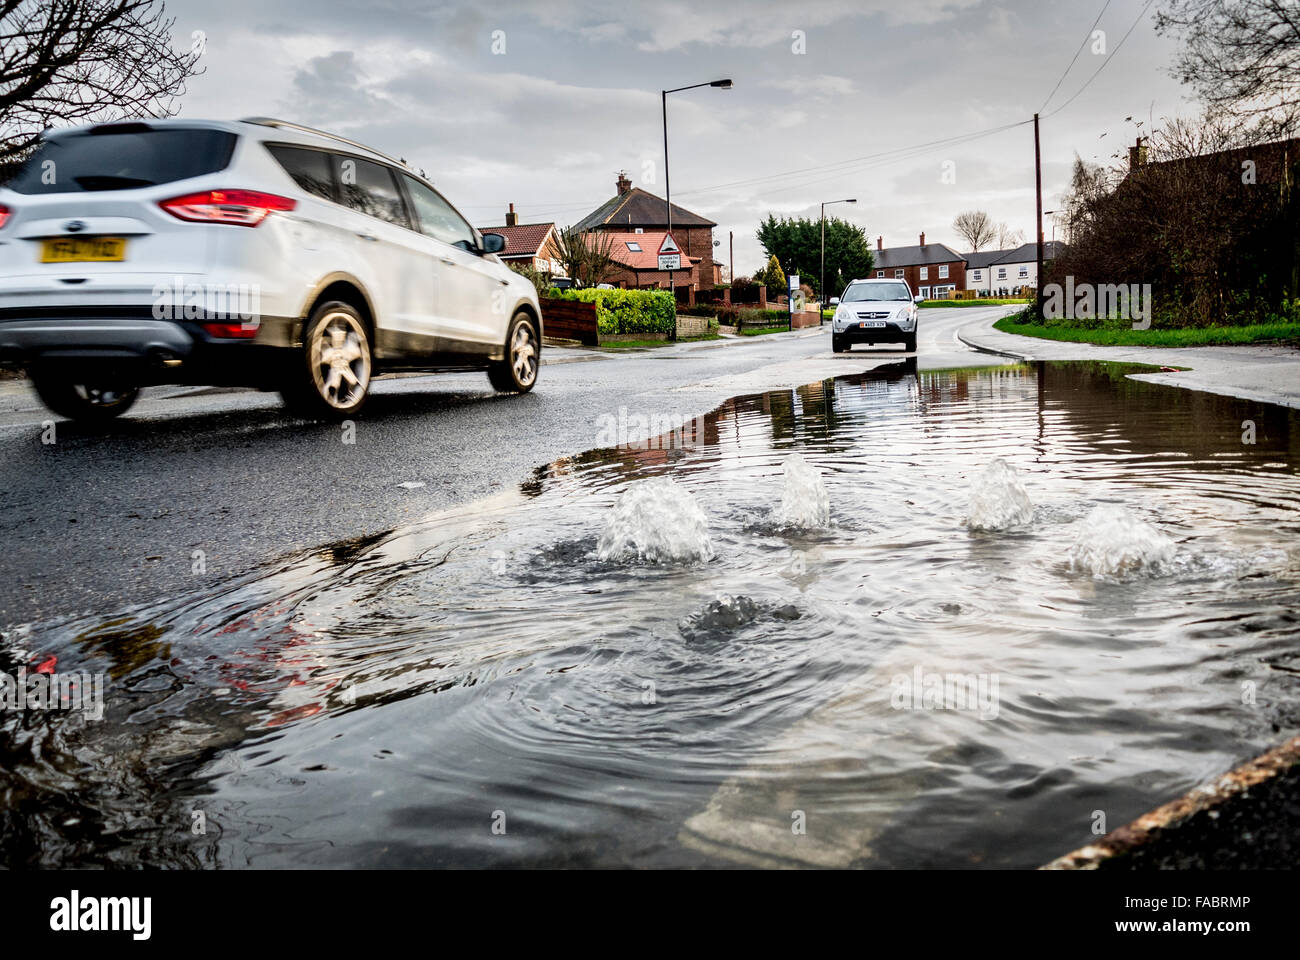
x: 633, y: 246
x: 925, y: 273
x: 1002, y: 273
x: 880, y: 273
x: 976, y: 276
x: 898, y: 274
x: 943, y: 272
x: 1024, y: 271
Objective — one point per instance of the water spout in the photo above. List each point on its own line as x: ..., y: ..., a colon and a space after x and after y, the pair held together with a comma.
x: 804, y: 501
x: 656, y: 521
x: 1113, y: 543
x: 998, y: 499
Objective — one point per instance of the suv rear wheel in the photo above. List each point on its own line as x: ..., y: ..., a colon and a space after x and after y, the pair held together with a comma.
x: 333, y: 378
x: 518, y: 372
x: 91, y: 402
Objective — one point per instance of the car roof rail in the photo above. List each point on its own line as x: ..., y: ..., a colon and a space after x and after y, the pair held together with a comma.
x: 303, y: 128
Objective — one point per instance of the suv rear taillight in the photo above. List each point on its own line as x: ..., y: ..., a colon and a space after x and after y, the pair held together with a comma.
x: 4, y: 214
x: 244, y: 208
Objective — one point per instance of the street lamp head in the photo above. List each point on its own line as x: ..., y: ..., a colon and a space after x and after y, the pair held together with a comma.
x: 851, y: 201
x: 724, y: 84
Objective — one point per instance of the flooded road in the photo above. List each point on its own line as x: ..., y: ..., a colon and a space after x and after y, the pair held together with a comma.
x: 482, y: 689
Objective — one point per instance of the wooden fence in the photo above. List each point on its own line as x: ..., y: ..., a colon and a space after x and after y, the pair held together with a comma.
x: 570, y: 320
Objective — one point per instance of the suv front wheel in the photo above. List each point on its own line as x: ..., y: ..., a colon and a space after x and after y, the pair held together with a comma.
x: 332, y: 378
x: 518, y: 371
x: 90, y: 402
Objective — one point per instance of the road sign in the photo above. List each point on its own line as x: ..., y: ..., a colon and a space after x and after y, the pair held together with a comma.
x: 670, y: 255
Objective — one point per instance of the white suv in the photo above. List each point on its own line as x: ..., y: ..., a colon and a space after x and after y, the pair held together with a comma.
x: 875, y: 311
x: 253, y: 253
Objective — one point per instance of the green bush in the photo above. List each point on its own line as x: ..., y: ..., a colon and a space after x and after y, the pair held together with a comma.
x: 626, y: 311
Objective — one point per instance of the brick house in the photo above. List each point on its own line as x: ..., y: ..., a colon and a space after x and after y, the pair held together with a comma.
x: 633, y: 210
x: 930, y: 269
x: 637, y: 258
x: 532, y: 244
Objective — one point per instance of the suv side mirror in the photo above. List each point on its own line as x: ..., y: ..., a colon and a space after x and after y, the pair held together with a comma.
x: 493, y: 243
x: 918, y: 298
x: 835, y: 301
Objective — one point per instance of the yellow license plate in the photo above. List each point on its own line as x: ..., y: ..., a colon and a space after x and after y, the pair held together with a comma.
x: 83, y: 249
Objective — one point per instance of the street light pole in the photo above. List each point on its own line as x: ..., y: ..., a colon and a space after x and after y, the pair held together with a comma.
x: 821, y: 290
x: 668, y: 192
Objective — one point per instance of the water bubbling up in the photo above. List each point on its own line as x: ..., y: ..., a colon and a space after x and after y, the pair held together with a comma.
x: 1113, y: 543
x: 804, y: 501
x: 998, y: 499
x: 656, y: 521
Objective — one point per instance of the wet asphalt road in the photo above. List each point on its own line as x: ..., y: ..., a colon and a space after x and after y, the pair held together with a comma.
x: 109, y: 517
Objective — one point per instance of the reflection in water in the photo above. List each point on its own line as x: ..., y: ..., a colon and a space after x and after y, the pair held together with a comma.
x: 378, y: 702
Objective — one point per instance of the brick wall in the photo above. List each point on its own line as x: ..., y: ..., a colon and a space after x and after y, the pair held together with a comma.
x: 569, y: 320
x: 956, y: 275
x: 621, y: 276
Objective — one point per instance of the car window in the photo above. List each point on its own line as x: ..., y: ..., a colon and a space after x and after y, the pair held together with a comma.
x: 437, y: 218
x: 122, y: 156
x: 371, y: 188
x: 877, y: 291
x: 310, y: 169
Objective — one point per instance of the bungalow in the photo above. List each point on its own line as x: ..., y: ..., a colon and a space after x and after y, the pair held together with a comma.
x: 529, y: 244
x: 635, y: 211
x: 930, y: 269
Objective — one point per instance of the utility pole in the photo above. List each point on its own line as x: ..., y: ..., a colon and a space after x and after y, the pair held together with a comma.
x: 731, y: 246
x: 668, y: 207
x: 1038, y: 221
x: 668, y: 193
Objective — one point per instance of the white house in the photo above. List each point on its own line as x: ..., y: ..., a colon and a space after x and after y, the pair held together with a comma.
x: 994, y: 270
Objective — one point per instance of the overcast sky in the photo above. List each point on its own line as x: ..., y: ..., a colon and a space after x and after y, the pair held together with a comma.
x: 541, y: 104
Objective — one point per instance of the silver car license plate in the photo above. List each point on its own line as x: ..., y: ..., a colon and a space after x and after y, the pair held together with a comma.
x: 873, y: 323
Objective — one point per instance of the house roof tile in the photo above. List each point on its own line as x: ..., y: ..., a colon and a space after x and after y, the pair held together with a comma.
x: 522, y: 240
x: 638, y: 208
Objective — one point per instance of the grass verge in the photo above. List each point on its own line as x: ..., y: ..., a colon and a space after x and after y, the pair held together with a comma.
x: 992, y: 302
x: 1120, y: 333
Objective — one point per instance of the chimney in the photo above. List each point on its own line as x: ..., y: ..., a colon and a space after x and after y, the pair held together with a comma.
x: 880, y: 243
x: 923, y: 238
x: 623, y: 183
x: 512, y: 218
x: 1137, y: 155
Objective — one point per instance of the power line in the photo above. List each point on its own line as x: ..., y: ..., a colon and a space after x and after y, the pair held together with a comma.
x: 1105, y: 62
x: 857, y: 164
x: 1075, y: 58
x: 839, y: 168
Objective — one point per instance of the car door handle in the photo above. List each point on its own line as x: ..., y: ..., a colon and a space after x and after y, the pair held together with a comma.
x: 367, y: 236
x: 448, y: 260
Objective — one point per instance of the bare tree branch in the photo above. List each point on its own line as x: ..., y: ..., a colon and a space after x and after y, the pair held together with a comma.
x: 975, y: 227
x: 84, y: 61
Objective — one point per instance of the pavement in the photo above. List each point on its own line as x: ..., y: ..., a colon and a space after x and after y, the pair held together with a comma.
x: 108, y: 517
x: 1266, y: 374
